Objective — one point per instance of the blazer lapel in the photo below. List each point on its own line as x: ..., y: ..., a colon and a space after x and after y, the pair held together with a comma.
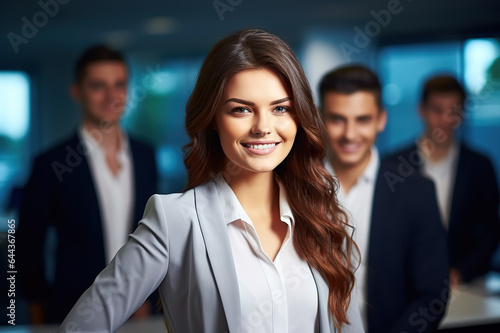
x: 377, y: 234
x: 459, y: 191
x: 324, y: 317
x: 83, y: 181
x: 85, y: 199
x: 379, y: 202
x: 414, y: 158
x: 139, y: 186
x: 219, y: 252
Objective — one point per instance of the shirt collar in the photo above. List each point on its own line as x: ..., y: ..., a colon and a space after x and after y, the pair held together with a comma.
x: 449, y: 159
x: 91, y: 144
x: 370, y: 173
x: 233, y: 211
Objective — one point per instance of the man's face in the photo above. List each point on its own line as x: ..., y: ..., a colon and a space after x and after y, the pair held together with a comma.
x: 353, y: 121
x: 442, y: 114
x: 102, y: 91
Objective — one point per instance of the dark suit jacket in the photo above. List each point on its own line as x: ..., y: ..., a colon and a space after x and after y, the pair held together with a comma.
x: 60, y: 193
x: 407, y: 269
x: 474, y: 228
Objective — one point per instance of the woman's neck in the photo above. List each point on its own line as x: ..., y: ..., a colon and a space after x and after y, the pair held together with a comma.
x: 258, y: 193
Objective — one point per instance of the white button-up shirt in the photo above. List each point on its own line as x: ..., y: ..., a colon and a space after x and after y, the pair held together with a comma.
x: 115, y: 193
x: 279, y: 296
x: 443, y: 174
x: 358, y: 203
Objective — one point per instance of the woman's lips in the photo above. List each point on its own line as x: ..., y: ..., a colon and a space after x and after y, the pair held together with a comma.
x: 260, y: 148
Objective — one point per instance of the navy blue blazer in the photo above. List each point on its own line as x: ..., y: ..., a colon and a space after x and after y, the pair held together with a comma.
x: 60, y: 193
x: 407, y: 260
x: 474, y: 228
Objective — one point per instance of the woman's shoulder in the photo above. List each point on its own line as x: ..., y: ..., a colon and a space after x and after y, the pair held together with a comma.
x: 183, y: 199
x: 176, y: 212
x: 173, y: 200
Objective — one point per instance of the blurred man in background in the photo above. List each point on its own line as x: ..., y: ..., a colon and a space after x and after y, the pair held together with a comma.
x: 402, y: 278
x: 467, y: 189
x: 91, y: 189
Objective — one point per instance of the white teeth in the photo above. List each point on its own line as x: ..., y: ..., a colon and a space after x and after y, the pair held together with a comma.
x: 264, y: 146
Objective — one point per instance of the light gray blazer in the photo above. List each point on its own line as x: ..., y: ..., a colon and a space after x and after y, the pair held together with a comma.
x: 181, y: 246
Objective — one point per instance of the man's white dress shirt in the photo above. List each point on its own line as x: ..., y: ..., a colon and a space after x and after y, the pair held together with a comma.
x: 443, y: 174
x: 358, y: 203
x: 115, y: 193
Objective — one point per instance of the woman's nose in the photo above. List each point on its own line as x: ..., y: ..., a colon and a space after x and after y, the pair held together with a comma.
x: 262, y: 125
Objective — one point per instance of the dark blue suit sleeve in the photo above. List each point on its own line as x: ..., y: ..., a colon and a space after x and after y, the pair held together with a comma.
x: 486, y: 225
x: 154, y: 171
x: 34, y: 218
x: 427, y: 275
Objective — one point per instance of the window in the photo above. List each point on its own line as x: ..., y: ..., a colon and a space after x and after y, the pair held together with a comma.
x: 403, y: 71
x: 14, y: 125
x: 156, y: 112
x: 482, y: 80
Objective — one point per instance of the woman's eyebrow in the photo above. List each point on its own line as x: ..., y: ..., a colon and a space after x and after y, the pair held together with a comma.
x: 237, y: 100
x: 286, y: 99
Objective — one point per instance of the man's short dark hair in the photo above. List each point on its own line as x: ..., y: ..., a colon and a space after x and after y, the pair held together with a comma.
x: 442, y: 84
x: 351, y: 79
x: 95, y: 54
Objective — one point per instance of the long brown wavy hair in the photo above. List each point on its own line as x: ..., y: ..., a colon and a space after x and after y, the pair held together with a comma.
x: 320, y: 235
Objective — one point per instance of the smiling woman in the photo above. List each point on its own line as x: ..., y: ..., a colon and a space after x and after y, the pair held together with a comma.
x: 257, y: 243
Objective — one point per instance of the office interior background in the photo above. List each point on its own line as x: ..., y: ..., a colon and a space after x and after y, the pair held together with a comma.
x: 165, y: 42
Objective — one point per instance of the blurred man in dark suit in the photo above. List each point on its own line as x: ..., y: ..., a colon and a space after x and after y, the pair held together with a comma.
x: 467, y: 189
x: 402, y: 278
x: 91, y: 189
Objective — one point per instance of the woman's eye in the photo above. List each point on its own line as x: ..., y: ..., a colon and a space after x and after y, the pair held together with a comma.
x: 281, y: 109
x: 240, y: 110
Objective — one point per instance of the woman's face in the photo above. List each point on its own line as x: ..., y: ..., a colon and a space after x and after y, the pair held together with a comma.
x: 255, y: 122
